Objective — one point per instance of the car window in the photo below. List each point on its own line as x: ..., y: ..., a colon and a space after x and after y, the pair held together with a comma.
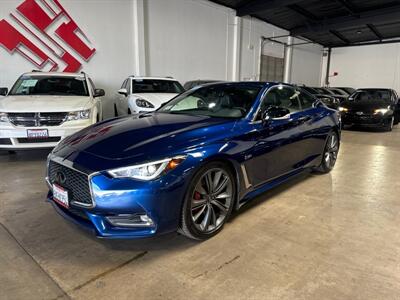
x: 285, y: 97
x: 123, y: 86
x: 306, y: 100
x: 224, y: 101
x: 92, y: 85
x: 128, y: 85
x: 50, y: 85
x: 156, y: 86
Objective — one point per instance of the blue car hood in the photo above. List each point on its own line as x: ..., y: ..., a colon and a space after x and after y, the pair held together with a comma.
x: 147, y: 136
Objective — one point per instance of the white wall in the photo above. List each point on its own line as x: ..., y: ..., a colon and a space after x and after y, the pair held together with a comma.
x: 366, y: 66
x: 189, y: 39
x: 306, y: 64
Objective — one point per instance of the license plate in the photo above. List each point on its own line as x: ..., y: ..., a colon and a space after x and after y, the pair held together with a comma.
x: 60, y: 195
x: 37, y: 133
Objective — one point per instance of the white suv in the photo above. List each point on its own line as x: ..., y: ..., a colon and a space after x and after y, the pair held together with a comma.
x: 43, y: 108
x: 143, y: 94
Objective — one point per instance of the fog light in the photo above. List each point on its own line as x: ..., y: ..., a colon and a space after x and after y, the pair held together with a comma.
x: 136, y: 220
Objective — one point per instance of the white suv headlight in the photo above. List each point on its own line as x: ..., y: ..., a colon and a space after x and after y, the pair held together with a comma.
x: 148, y: 171
x: 3, y: 117
x: 143, y: 103
x: 79, y: 115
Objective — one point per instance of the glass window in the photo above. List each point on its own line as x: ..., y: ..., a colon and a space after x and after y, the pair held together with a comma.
x: 50, y: 85
x: 156, y: 86
x: 285, y: 97
x: 123, y: 86
x: 306, y: 100
x: 373, y: 95
x: 225, y: 101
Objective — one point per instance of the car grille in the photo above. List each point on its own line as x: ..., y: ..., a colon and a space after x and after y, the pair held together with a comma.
x: 37, y: 119
x: 75, y: 182
x: 53, y: 139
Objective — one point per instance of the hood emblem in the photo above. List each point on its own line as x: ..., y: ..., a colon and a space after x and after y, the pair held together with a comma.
x: 360, y: 113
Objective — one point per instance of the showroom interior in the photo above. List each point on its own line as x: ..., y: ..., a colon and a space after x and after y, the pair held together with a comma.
x: 297, y: 235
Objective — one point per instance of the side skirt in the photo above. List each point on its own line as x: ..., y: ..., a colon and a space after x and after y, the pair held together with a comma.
x: 269, y: 185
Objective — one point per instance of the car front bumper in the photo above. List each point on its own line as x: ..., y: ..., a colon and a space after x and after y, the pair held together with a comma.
x: 159, y: 202
x: 365, y: 120
x: 15, y: 138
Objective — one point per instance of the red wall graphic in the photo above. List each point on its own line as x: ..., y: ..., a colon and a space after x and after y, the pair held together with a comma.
x: 44, y: 33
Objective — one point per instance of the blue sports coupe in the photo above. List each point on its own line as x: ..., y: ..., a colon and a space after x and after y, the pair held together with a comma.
x: 186, y: 166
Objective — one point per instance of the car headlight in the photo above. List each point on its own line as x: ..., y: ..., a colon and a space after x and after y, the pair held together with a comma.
x: 343, y: 109
x: 79, y: 115
x: 144, y: 103
x: 3, y: 117
x: 381, y: 111
x: 148, y: 171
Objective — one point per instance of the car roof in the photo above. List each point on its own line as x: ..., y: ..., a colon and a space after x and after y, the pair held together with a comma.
x: 153, y: 78
x: 260, y: 84
x: 65, y: 74
x: 373, y: 89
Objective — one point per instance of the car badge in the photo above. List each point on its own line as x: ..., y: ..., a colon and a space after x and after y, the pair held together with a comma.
x: 61, y: 178
x: 360, y: 113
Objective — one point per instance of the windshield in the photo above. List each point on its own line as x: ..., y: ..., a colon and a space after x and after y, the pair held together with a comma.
x: 224, y: 101
x: 372, y: 95
x: 50, y: 85
x: 156, y: 86
x: 320, y: 90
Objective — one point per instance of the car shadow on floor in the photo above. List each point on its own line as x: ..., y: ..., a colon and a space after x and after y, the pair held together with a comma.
x: 355, y: 128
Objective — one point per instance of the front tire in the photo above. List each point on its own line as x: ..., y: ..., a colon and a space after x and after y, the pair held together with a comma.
x: 208, y: 202
x: 389, y: 125
x: 329, y: 155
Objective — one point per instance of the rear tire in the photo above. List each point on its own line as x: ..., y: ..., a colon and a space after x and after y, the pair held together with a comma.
x: 329, y: 155
x: 208, y: 202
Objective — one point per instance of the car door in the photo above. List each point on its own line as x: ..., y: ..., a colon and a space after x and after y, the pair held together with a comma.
x: 277, y: 141
x: 312, y: 133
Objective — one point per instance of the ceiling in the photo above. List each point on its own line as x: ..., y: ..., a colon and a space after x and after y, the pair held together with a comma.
x: 331, y: 23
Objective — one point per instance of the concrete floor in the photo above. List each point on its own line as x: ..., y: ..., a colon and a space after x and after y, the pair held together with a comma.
x: 334, y: 236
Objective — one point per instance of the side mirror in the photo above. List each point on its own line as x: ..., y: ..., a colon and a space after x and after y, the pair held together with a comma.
x: 3, y: 91
x: 274, y: 112
x: 99, y: 93
x: 123, y: 92
x: 331, y: 102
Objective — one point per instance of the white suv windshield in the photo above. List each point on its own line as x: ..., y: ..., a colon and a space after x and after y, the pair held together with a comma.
x: 156, y: 86
x: 50, y: 85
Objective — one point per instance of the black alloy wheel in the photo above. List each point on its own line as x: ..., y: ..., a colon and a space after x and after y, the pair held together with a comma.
x: 330, y: 154
x: 209, y: 201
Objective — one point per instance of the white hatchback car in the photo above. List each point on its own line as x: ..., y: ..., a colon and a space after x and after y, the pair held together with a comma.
x: 43, y: 108
x: 144, y: 94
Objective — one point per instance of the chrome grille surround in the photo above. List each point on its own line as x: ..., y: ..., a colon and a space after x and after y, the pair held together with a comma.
x: 37, y: 119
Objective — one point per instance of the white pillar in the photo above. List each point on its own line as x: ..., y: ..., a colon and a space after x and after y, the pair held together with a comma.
x: 237, y: 29
x: 288, y: 61
x: 139, y: 39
